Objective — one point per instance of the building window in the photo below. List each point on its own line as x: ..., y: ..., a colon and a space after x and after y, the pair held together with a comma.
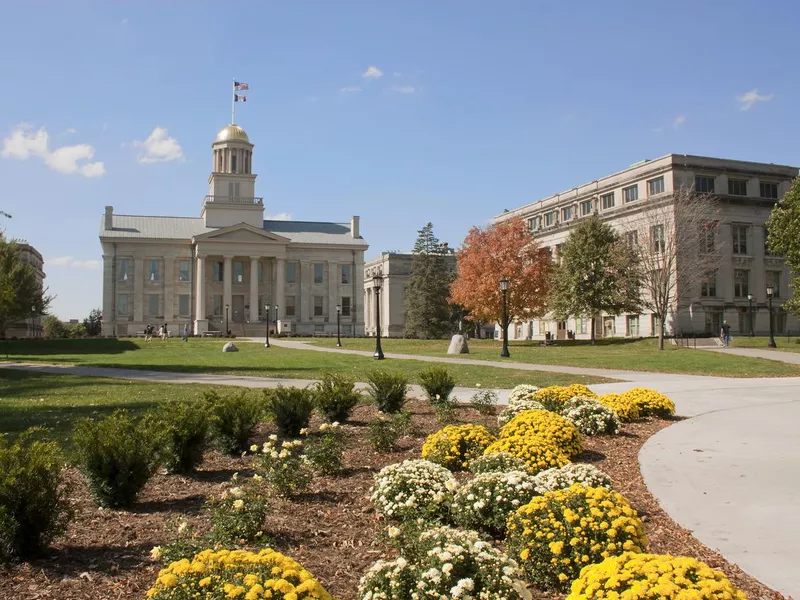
x: 708, y: 287
x: 183, y: 305
x: 318, y: 272
x: 238, y: 271
x: 737, y: 187
x: 124, y: 304
x: 153, y: 272
x: 580, y: 324
x: 740, y: 284
x: 345, y: 306
x: 533, y: 224
x: 125, y: 269
x: 318, y: 306
x: 291, y: 272
x: 289, y: 308
x: 629, y: 194
x: 153, y: 301
x: 609, y: 326
x: 566, y: 214
x: 707, y: 234
x: 233, y: 189
x: 607, y: 200
x: 774, y: 279
x: 542, y: 327
x: 739, y: 233
x: 549, y: 219
x: 632, y: 326
x: 769, y: 190
x: 216, y: 305
x: 779, y: 317
x: 219, y: 270
x: 658, y: 242
x: 632, y: 238
x: 704, y: 184
x: 346, y: 274
x: 233, y: 162
x: 586, y: 207
x: 183, y: 270
x: 655, y: 187
x: 260, y: 271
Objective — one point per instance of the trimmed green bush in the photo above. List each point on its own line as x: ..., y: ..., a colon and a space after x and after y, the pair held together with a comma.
x: 388, y: 390
x: 335, y: 397
x: 186, y: 426
x: 33, y: 500
x: 290, y: 408
x: 438, y: 384
x: 234, y: 418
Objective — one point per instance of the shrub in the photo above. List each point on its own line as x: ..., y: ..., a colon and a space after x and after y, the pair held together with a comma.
x: 335, y: 397
x: 290, y: 408
x: 485, y: 402
x: 548, y: 426
x: 650, y: 402
x: 413, y: 489
x: 568, y: 475
x: 555, y: 396
x: 234, y: 419
x: 383, y: 433
x: 653, y: 576
x: 186, y: 426
x: 591, y: 417
x: 557, y: 534
x: 234, y: 574
x: 34, y: 508
x: 118, y: 454
x: 238, y: 514
x: 437, y: 383
x: 499, y: 462
x: 185, y: 541
x: 455, y: 445
x: 512, y: 410
x: 625, y: 408
x: 325, y: 451
x: 537, y: 453
x: 446, y: 410
x: 388, y: 390
x: 485, y: 502
x: 283, y: 466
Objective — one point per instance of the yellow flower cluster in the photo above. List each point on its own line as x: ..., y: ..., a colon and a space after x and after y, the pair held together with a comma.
x: 547, y: 425
x: 625, y: 408
x: 646, y: 576
x: 538, y: 453
x: 650, y: 402
x: 237, y: 574
x: 555, y: 396
x: 455, y: 445
x: 557, y: 534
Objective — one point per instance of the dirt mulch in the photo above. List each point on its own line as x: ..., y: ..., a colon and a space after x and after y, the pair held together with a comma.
x: 331, y: 529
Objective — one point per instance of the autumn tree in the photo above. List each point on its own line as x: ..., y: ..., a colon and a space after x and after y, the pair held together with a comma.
x: 505, y: 249
x: 428, y: 314
x: 784, y: 238
x: 597, y: 273
x: 21, y: 296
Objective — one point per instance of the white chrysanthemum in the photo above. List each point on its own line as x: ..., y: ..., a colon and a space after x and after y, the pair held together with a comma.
x: 564, y: 477
x: 413, y: 489
x: 504, y: 492
x: 591, y: 417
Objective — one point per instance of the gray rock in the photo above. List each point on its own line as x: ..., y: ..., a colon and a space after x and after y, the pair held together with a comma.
x: 458, y: 345
x: 229, y: 347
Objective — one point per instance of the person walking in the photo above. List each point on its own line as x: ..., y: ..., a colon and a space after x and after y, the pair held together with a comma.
x: 186, y: 332
x: 725, y: 334
x: 148, y: 333
x: 166, y: 333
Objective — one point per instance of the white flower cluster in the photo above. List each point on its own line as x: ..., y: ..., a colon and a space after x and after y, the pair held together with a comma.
x: 413, y: 489
x: 591, y: 417
x: 522, y: 392
x: 496, y: 462
x: 564, y: 477
x: 486, y: 502
x: 520, y: 399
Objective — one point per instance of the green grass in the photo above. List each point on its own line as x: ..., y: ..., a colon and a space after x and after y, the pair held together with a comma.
x: 206, y: 356
x: 760, y: 342
x: 629, y: 355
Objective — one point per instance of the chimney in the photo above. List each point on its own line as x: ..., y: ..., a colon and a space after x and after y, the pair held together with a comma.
x: 355, y: 227
x: 109, y: 213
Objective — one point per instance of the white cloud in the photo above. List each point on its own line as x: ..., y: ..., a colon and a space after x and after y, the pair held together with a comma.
x: 747, y: 100
x: 403, y: 89
x: 282, y: 216
x: 351, y: 89
x: 24, y: 142
x: 678, y: 121
x: 372, y: 72
x: 158, y: 147
x: 69, y: 261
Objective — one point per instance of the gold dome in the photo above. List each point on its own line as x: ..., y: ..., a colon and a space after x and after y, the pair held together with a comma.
x: 232, y: 132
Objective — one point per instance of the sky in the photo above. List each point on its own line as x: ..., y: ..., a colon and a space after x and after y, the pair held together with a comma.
x: 400, y: 111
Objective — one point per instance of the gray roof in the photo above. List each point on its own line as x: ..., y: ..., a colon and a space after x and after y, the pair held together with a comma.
x: 185, y: 228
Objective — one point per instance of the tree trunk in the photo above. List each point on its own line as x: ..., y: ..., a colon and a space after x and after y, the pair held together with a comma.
x: 661, y: 320
x: 592, y: 328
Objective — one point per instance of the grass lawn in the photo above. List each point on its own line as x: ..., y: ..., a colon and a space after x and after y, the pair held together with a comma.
x: 206, y: 356
x: 631, y: 355
x: 760, y: 342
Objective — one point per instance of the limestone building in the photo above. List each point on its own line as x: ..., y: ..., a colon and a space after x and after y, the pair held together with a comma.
x: 747, y: 191
x: 32, y: 327
x: 229, y: 264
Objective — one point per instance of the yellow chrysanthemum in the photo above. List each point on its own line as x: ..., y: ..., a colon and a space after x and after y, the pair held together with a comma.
x: 455, y: 445
x: 549, y: 426
x: 626, y: 409
x: 650, y: 402
x: 538, y: 453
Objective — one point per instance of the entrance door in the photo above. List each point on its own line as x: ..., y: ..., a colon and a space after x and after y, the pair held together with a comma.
x: 562, y: 330
x: 238, y: 308
x: 713, y: 321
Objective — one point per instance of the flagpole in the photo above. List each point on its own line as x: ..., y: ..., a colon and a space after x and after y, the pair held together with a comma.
x: 233, y: 103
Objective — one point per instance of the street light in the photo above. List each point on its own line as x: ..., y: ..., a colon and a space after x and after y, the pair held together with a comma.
x: 276, y: 320
x: 750, y: 300
x: 377, y: 281
x: 338, y: 325
x: 266, y: 313
x: 770, y: 293
x: 227, y: 331
x: 504, y: 288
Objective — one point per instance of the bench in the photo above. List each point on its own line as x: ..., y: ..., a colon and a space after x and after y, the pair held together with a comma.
x: 322, y: 334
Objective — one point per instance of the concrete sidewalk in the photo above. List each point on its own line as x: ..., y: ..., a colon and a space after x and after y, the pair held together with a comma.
x: 787, y: 357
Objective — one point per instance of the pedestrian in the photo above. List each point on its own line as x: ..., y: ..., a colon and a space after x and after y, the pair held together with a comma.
x: 148, y: 333
x: 186, y: 332
x: 166, y: 332
x: 725, y: 334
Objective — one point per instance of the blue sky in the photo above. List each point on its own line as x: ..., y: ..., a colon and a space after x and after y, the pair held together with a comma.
x: 479, y: 106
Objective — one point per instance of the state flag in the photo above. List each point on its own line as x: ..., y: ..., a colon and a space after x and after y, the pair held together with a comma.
x: 238, y: 98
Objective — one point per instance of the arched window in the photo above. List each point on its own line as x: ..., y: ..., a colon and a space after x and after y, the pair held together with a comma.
x: 233, y: 161
x: 219, y: 161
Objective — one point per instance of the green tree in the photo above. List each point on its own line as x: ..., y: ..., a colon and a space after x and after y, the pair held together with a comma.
x: 53, y: 327
x: 598, y: 273
x: 93, y: 323
x: 428, y: 313
x: 784, y: 238
x: 21, y: 296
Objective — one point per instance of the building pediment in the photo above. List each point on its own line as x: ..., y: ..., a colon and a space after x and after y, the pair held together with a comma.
x: 241, y: 233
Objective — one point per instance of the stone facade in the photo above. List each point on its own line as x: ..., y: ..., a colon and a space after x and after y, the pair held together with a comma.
x: 747, y: 191
x: 29, y: 328
x: 229, y: 264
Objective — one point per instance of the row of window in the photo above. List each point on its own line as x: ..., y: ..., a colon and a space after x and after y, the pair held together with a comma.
x: 736, y: 187
x: 153, y: 304
x: 741, y: 284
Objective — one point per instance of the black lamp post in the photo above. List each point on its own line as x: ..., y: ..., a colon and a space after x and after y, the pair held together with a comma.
x: 227, y: 331
x: 266, y: 314
x: 338, y: 325
x: 750, y: 300
x: 770, y: 293
x: 376, y: 284
x: 276, y: 320
x: 504, y: 288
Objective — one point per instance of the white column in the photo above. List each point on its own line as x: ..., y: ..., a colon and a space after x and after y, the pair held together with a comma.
x: 200, y: 288
x: 254, y: 289
x: 227, y: 277
x: 138, y: 288
x: 280, y: 296
x: 169, y: 282
x: 304, y: 291
x: 333, y: 291
x: 109, y: 301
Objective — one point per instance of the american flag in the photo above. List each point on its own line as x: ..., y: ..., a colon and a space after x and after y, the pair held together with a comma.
x: 238, y: 98
x: 240, y: 86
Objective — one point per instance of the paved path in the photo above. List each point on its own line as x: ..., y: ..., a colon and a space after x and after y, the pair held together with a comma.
x: 787, y: 357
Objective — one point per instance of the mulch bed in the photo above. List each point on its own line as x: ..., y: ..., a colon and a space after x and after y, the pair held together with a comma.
x: 331, y: 529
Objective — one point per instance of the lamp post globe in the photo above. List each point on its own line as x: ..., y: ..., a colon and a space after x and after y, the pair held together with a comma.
x: 770, y: 294
x: 377, y: 281
x: 338, y: 325
x: 266, y: 314
x: 504, y: 289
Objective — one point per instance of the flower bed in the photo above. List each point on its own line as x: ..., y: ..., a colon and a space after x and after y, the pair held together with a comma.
x: 625, y: 407
x: 555, y: 396
x: 414, y: 489
x: 548, y: 426
x: 455, y: 445
x: 568, y: 475
x: 537, y: 453
x: 650, y: 402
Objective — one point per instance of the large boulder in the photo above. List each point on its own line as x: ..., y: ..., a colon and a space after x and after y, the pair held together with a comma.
x: 458, y: 345
x: 229, y: 347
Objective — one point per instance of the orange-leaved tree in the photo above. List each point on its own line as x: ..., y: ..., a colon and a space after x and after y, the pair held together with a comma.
x: 504, y: 249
